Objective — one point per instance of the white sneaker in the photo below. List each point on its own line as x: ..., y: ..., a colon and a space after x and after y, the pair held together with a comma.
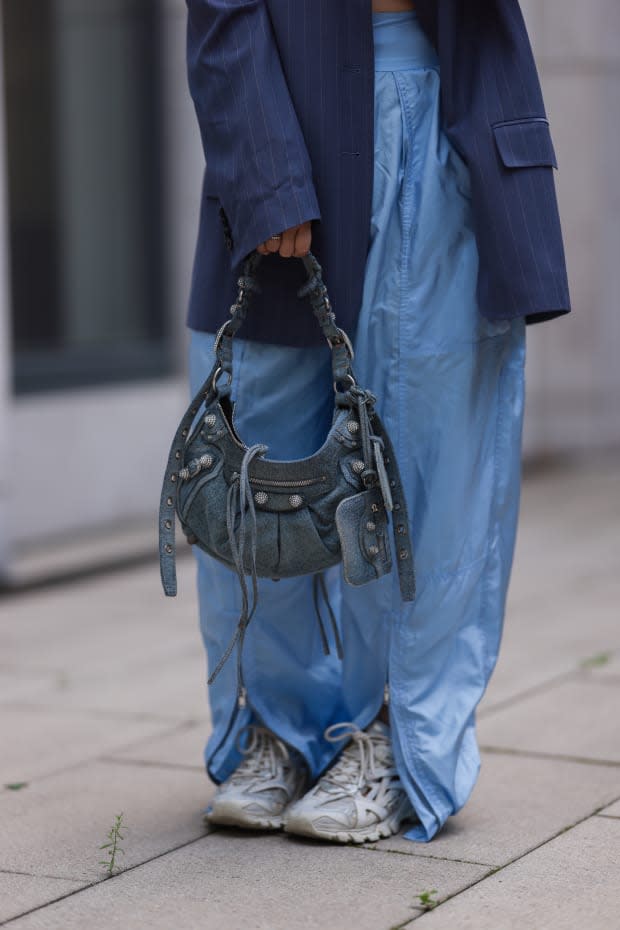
x: 267, y: 780
x: 360, y: 798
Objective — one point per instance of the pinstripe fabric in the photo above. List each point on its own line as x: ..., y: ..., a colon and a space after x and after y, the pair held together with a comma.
x: 284, y: 91
x: 489, y: 79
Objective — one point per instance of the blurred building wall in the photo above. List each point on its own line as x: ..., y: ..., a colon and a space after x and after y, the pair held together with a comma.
x: 103, y: 445
x: 573, y: 400
x: 87, y: 461
x: 5, y: 355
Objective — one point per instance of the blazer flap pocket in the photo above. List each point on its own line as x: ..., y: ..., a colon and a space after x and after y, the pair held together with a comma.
x: 525, y: 143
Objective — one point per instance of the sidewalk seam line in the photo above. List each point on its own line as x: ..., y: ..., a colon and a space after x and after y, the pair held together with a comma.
x: 522, y: 856
x: 536, y: 754
x: 149, y: 763
x: 401, y: 852
x: 60, y: 878
x: 541, y: 687
x: 108, y: 878
x: 36, y: 779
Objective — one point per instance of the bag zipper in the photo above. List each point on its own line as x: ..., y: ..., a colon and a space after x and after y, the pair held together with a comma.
x: 300, y: 483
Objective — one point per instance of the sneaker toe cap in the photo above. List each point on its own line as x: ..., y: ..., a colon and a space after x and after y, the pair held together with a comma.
x: 327, y: 816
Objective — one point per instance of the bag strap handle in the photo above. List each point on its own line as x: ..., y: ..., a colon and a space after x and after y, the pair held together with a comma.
x: 315, y: 291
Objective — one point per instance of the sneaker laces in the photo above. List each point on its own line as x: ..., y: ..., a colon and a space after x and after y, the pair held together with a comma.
x: 262, y: 752
x: 359, y: 763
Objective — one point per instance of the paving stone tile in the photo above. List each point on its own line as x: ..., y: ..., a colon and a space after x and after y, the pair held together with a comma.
x: 613, y: 810
x: 547, y: 566
x: 57, y: 825
x: 548, y: 637
x: 137, y: 652
x: 565, y: 587
x: 568, y: 531
x: 102, y: 625
x: 517, y: 803
x: 39, y: 742
x: 183, y: 747
x: 576, y: 718
x: 569, y: 883
x: 20, y: 893
x: 265, y: 883
x: 175, y: 688
x: 18, y: 684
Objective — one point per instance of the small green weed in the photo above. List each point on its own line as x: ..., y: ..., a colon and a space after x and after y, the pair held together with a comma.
x: 16, y: 785
x: 115, y: 838
x: 426, y: 900
x: 601, y: 658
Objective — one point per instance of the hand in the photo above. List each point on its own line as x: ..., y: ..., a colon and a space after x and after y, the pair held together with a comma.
x: 294, y: 242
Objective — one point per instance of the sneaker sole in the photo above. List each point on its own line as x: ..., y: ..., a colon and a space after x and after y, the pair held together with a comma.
x: 228, y: 816
x: 378, y: 831
x: 243, y: 821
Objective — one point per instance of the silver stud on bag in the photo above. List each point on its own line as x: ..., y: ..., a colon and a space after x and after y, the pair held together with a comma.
x: 353, y: 426
x: 261, y: 497
x: 210, y: 420
x: 358, y: 467
x: 373, y: 550
x: 295, y: 500
x: 371, y: 527
x: 205, y: 461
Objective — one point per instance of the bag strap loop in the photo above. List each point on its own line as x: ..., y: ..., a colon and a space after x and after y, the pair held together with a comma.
x: 314, y: 290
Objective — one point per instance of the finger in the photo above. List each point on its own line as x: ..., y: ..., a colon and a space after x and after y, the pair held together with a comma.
x: 287, y: 243
x: 261, y: 249
x: 303, y: 240
x: 273, y: 244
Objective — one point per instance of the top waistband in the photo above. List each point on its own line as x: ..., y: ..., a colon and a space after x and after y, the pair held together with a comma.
x: 401, y: 43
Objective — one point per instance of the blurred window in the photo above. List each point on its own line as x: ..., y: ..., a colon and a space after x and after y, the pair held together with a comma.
x: 82, y: 84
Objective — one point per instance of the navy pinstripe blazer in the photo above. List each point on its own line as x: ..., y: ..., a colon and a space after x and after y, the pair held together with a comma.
x: 284, y: 95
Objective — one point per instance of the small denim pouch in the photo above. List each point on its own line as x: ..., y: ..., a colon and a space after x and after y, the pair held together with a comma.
x: 279, y: 519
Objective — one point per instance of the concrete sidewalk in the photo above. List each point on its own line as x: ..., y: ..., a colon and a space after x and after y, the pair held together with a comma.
x: 103, y: 710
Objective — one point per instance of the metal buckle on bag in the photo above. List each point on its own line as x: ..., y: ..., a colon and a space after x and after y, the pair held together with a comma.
x: 352, y: 383
x: 218, y: 371
x: 344, y: 339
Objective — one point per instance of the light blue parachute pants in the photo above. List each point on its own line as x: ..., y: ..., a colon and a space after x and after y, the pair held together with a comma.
x: 450, y: 388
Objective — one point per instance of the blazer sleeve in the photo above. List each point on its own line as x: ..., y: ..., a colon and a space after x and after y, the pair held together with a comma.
x: 257, y: 162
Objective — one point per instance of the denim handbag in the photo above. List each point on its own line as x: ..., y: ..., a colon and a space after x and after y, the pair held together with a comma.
x: 278, y: 519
